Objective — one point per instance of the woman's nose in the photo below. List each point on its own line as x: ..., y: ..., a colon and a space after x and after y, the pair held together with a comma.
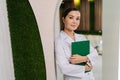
x: 74, y: 21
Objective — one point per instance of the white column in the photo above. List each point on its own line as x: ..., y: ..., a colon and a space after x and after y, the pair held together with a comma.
x: 44, y: 11
x: 6, y: 61
x: 59, y: 75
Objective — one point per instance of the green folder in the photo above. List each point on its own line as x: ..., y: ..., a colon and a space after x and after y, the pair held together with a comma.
x: 81, y: 48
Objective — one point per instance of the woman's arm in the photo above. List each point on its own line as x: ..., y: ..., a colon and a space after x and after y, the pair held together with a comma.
x: 74, y: 59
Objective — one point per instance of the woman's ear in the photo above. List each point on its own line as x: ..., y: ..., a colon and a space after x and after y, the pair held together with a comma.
x: 63, y: 19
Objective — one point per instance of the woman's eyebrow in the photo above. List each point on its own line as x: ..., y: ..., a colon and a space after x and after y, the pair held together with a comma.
x: 72, y: 15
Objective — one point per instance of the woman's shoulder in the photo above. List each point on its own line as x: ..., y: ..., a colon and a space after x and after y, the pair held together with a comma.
x: 59, y: 38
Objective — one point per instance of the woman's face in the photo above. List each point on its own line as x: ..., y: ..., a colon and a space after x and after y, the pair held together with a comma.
x: 72, y: 20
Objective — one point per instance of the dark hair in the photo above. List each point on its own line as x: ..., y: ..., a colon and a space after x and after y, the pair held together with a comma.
x: 65, y: 13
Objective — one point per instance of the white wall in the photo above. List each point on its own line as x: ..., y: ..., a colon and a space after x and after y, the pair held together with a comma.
x: 6, y: 61
x: 119, y: 56
x: 111, y: 21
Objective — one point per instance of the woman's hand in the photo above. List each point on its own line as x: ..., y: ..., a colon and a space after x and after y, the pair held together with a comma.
x: 88, y: 68
x: 74, y: 59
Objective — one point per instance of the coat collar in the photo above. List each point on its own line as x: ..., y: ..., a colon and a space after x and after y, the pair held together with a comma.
x: 67, y: 39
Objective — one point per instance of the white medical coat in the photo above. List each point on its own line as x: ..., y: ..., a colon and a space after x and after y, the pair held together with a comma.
x: 63, y: 53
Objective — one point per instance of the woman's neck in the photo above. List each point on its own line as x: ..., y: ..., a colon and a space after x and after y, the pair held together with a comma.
x: 70, y: 33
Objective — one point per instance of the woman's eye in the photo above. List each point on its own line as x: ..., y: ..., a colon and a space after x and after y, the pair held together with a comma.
x: 77, y: 18
x: 71, y: 17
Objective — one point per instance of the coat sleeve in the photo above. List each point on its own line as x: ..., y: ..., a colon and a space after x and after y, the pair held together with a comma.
x: 67, y: 68
x: 93, y: 56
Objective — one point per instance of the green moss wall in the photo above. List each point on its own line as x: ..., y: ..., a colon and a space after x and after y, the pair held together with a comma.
x: 27, y: 48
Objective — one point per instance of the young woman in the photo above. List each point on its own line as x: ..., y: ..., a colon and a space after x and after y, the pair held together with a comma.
x: 64, y: 58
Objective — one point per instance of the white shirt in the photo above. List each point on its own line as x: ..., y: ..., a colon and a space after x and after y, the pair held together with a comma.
x: 63, y: 53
